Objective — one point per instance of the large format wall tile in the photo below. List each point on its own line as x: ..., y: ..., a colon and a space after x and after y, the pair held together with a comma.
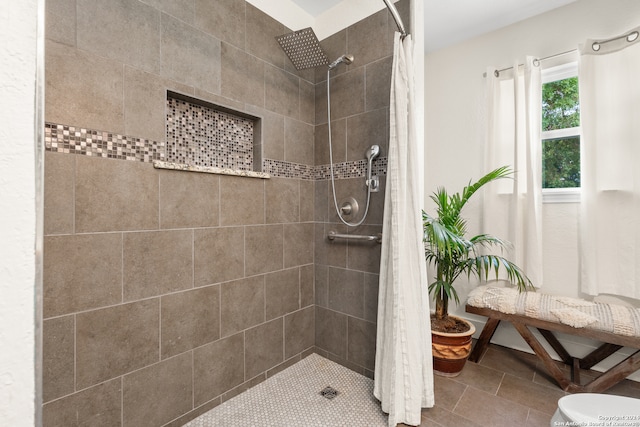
x: 114, y: 341
x: 241, y: 201
x: 282, y: 200
x: 282, y: 92
x: 60, y: 21
x: 378, y: 84
x: 157, y: 262
x: 127, y: 31
x: 272, y: 133
x: 219, y: 255
x: 145, y: 102
x: 58, y: 353
x: 365, y: 130
x: 297, y: 135
x: 189, y: 200
x: 338, y: 142
x: 59, y: 170
x: 307, y: 200
x: 347, y: 95
x: 242, y: 304
x: 365, y: 256
x: 261, y: 36
x: 263, y: 347
x: 307, y: 285
x: 367, y: 42
x: 189, y: 319
x: 190, y: 56
x: 210, y: 380
x: 346, y: 291
x: 83, y: 89
x: 242, y: 76
x: 99, y: 406
x: 185, y: 10
x: 307, y: 103
x: 299, y: 331
x: 263, y: 248
x: 115, y: 195
x: 81, y: 272
x: 331, y: 331
x: 298, y: 244
x: 361, y: 348
x: 282, y: 292
x: 226, y: 21
x: 159, y: 393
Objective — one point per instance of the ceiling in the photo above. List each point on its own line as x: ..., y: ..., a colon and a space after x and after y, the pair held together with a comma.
x: 449, y: 22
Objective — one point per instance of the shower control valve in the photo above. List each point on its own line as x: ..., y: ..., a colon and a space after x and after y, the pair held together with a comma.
x: 373, y: 184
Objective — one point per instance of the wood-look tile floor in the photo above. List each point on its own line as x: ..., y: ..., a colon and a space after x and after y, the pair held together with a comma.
x: 506, y: 388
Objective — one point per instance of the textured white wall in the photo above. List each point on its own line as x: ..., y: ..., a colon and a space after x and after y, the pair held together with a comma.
x: 18, y: 35
x: 455, y: 114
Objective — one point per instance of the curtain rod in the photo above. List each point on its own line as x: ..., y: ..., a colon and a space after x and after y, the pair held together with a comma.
x: 536, y: 62
x: 396, y: 17
x: 595, y: 46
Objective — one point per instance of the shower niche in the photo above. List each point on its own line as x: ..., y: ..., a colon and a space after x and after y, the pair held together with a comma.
x: 206, y: 137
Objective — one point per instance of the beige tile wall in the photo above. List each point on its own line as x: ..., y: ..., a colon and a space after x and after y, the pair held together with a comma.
x: 167, y: 293
x: 347, y: 274
x: 136, y: 312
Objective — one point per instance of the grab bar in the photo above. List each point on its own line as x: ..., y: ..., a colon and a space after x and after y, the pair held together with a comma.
x: 333, y: 235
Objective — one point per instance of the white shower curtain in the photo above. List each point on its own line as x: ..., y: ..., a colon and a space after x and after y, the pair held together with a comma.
x: 403, y: 371
x: 512, y: 209
x: 610, y: 177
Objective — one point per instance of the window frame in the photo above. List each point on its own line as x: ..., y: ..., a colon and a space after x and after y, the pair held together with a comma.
x: 548, y: 75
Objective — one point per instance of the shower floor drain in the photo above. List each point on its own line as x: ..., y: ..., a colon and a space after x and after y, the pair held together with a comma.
x: 329, y: 392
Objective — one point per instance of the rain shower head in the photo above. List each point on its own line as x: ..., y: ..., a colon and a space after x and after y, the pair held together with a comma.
x: 347, y: 59
x: 303, y: 49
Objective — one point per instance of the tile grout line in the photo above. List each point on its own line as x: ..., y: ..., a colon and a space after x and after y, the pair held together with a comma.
x: 459, y: 399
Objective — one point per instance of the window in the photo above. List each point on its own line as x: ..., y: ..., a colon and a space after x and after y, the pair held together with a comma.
x: 560, y: 134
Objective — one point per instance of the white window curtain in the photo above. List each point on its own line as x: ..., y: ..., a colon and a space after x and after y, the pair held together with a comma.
x: 609, y: 81
x: 512, y: 209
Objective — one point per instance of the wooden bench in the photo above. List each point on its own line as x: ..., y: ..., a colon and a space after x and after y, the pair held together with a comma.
x: 611, y: 343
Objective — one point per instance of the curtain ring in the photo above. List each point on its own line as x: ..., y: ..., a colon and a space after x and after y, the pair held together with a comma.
x: 496, y: 73
x: 536, y: 62
x: 595, y: 46
x: 632, y: 37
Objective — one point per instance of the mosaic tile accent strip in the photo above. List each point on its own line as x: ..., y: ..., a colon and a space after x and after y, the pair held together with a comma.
x: 69, y: 139
x: 354, y: 169
x: 201, y: 136
x: 77, y: 140
x: 284, y: 169
x: 291, y: 398
x: 209, y: 169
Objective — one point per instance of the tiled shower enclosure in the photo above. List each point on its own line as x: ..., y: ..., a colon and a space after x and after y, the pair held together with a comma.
x: 168, y: 292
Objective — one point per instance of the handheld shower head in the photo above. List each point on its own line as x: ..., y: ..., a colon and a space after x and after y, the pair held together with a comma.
x: 372, y: 152
x: 347, y: 59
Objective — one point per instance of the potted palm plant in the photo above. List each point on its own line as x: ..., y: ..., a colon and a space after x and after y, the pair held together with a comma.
x: 451, y: 253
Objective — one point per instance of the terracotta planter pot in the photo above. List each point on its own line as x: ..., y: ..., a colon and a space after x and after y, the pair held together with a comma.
x: 450, y: 351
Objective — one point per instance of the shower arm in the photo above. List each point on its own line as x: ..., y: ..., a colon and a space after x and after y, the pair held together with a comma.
x: 396, y: 17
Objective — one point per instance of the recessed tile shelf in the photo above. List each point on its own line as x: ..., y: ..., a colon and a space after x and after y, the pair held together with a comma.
x: 210, y: 138
x: 210, y: 169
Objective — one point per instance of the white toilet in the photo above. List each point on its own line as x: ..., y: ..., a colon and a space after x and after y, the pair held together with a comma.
x: 591, y: 409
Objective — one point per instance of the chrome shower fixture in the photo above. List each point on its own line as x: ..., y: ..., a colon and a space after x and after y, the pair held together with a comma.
x: 372, y: 152
x: 347, y: 59
x: 373, y: 182
x: 303, y: 49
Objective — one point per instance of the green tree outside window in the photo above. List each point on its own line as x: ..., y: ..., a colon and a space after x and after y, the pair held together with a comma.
x: 560, y: 156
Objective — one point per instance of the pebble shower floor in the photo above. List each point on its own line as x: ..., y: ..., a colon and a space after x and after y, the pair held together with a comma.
x: 292, y: 398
